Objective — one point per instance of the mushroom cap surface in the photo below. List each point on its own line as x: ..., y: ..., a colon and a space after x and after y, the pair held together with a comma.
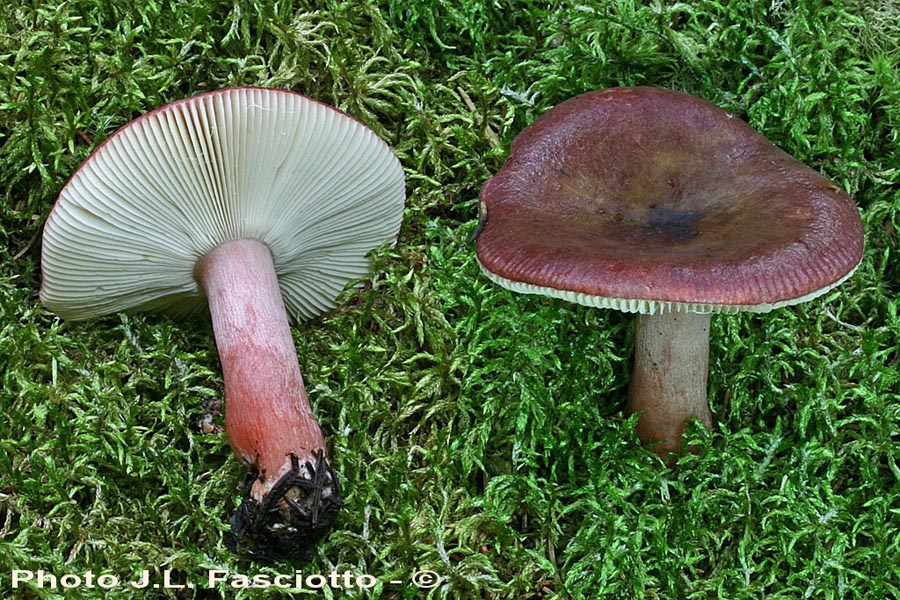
x: 317, y: 186
x: 651, y: 200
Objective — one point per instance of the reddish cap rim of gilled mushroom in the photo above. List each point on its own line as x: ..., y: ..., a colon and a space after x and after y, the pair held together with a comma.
x: 314, y: 184
x: 650, y: 200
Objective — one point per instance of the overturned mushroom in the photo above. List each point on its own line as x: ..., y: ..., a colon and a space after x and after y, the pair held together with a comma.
x: 260, y: 203
x: 653, y: 201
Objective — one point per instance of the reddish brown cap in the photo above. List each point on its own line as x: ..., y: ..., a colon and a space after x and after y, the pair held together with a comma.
x: 649, y: 200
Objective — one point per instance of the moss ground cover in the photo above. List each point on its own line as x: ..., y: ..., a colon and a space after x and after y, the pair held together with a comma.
x: 478, y: 433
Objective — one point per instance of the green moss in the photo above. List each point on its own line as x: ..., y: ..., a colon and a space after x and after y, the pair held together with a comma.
x: 478, y: 433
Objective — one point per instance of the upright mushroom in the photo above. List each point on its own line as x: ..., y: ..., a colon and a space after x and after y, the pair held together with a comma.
x: 653, y: 201
x: 261, y: 203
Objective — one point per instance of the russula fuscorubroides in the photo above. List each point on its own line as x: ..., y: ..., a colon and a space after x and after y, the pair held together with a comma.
x: 259, y: 204
x: 657, y: 202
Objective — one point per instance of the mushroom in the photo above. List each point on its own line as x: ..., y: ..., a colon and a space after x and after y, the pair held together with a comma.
x: 262, y: 203
x: 656, y: 202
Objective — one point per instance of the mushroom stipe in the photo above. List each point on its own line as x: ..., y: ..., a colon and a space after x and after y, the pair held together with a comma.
x: 298, y: 511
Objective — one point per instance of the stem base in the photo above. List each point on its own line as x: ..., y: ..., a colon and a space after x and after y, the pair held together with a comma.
x: 298, y: 511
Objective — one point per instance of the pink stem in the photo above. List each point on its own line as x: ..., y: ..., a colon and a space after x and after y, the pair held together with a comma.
x: 267, y: 415
x: 668, y: 388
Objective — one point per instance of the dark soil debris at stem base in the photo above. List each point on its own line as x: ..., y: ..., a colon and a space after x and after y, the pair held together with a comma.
x: 298, y: 512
